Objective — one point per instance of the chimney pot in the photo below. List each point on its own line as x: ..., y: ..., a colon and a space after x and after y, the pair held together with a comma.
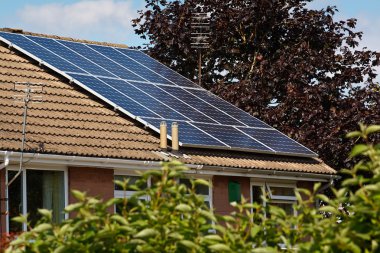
x: 163, y: 135
x: 175, y: 141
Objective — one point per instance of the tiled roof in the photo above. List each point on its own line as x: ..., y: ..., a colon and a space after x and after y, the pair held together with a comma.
x: 70, y: 121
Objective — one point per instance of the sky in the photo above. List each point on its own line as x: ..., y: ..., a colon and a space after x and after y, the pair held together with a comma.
x: 110, y: 20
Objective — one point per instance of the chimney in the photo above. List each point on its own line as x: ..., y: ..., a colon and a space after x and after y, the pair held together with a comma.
x: 175, y: 141
x: 163, y: 135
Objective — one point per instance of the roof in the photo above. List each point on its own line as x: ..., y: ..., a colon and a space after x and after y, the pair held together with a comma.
x: 71, y: 121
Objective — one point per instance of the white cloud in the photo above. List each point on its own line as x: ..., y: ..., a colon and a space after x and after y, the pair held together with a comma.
x: 87, y: 19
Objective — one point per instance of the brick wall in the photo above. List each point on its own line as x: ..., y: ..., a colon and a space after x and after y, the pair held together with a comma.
x: 96, y: 182
x: 220, y: 192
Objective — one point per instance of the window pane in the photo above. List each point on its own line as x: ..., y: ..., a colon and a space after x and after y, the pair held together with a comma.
x: 199, y: 189
x: 15, y: 201
x: 282, y: 191
x: 132, y: 203
x: 257, y: 194
x: 287, y: 207
x: 132, y: 181
x: 45, y: 189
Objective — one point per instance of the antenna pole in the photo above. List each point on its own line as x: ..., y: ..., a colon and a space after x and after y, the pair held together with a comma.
x: 200, y: 34
x: 200, y: 67
x: 28, y: 88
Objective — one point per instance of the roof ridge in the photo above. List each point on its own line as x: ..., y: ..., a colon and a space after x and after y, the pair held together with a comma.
x: 21, y: 31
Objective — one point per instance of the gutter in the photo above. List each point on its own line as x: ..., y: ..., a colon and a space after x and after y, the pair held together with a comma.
x: 6, y: 161
x: 96, y: 162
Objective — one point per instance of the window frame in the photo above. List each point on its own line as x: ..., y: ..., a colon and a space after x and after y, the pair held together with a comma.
x: 207, y: 198
x: 265, y: 186
x: 120, y: 194
x: 23, y: 174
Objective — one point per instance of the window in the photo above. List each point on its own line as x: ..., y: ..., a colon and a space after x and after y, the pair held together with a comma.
x: 278, y: 194
x: 120, y: 193
x: 201, y: 190
x: 32, y: 190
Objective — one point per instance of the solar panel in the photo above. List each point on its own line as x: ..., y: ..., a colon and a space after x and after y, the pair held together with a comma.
x: 150, y: 92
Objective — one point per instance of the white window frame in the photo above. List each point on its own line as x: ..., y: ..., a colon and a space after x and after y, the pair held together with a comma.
x: 128, y: 194
x: 280, y: 199
x: 24, y: 188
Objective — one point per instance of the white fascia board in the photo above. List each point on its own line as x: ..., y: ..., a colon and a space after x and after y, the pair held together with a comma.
x: 111, y: 163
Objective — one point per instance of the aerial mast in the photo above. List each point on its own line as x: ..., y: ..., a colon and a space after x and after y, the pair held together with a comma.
x: 200, y: 35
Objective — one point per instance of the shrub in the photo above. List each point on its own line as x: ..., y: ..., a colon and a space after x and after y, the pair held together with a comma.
x: 175, y: 219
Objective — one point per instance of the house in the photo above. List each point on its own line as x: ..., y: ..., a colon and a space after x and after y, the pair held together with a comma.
x: 76, y: 139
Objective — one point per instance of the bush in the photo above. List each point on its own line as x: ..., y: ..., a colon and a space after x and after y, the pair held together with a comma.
x: 175, y: 219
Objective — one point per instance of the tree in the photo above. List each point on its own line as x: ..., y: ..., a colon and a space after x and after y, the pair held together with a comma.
x: 175, y: 219
x: 295, y: 68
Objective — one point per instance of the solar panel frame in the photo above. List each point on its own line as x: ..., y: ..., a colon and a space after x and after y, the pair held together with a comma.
x: 144, y: 120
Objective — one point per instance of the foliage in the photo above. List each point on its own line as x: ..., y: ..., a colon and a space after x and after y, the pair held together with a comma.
x: 175, y: 219
x: 296, y: 68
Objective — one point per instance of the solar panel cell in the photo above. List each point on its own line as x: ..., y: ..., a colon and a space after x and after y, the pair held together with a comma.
x: 157, y: 67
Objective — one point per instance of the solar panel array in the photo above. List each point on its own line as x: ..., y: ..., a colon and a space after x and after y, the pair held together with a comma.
x: 150, y: 92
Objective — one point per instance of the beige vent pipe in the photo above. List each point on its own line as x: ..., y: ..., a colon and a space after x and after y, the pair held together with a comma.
x: 175, y: 141
x: 163, y: 135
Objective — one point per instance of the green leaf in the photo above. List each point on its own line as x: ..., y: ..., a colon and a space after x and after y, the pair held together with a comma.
x: 255, y: 230
x: 219, y: 247
x: 264, y: 250
x: 119, y: 219
x: 322, y: 197
x: 329, y: 209
x: 46, y: 213
x: 60, y: 249
x: 73, y: 207
x: 148, y: 232
x: 42, y: 227
x: 354, y: 134
x: 188, y: 244
x: 213, y: 237
x: 78, y: 195
x: 201, y: 182
x: 176, y: 235
x: 183, y: 208
x: 372, y: 129
x: 20, y: 219
x: 358, y: 149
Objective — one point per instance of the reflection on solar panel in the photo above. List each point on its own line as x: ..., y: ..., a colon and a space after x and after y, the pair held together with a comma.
x: 150, y: 92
